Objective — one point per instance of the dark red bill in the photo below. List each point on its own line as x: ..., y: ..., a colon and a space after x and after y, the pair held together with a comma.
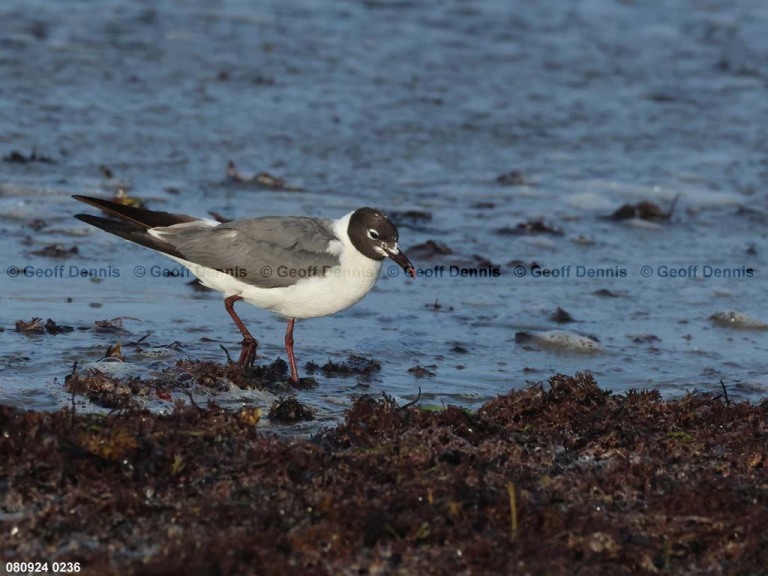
x: 402, y: 259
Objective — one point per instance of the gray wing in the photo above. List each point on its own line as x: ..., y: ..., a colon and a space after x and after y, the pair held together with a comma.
x: 269, y: 252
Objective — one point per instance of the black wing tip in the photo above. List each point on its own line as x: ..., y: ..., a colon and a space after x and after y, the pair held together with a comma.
x: 109, y: 224
x: 141, y: 216
x: 130, y: 231
x: 101, y: 203
x: 97, y: 202
x: 87, y: 217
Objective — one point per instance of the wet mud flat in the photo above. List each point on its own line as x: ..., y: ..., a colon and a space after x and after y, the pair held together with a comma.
x: 560, y: 478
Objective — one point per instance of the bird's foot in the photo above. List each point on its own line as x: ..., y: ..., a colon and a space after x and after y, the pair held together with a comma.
x: 247, y: 354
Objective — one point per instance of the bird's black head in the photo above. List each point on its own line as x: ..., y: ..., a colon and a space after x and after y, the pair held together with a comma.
x: 375, y: 237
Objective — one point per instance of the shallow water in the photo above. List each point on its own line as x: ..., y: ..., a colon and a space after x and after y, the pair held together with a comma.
x: 406, y: 106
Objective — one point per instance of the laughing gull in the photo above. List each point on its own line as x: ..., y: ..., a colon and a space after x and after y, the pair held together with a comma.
x: 296, y: 267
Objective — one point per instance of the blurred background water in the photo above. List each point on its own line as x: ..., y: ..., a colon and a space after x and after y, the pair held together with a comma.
x: 514, y: 129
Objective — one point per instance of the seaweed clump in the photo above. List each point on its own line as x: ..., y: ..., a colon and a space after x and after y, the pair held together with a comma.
x: 560, y: 478
x: 355, y: 365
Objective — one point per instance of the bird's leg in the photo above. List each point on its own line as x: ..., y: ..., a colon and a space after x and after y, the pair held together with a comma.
x: 289, y: 349
x: 248, y: 352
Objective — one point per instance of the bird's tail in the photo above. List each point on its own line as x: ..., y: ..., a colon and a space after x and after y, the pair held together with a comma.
x: 135, y: 223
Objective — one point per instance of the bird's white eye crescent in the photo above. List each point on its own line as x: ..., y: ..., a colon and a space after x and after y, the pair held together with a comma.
x: 372, y: 234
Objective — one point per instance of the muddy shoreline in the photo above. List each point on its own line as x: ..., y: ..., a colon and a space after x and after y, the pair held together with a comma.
x: 599, y: 484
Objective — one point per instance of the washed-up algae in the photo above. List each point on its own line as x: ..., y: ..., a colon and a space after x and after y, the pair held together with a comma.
x: 563, y: 478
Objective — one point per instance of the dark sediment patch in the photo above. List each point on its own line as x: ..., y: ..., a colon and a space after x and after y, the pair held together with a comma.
x: 353, y: 366
x: 557, y: 479
x: 413, y: 219
x: 37, y: 224
x: 111, y: 391
x: 529, y: 228
x: 645, y: 339
x: 273, y: 376
x: 409, y: 216
x: 645, y: 210
x: 36, y: 326
x: 422, y: 371
x: 561, y: 316
x: 57, y: 251
x: 16, y: 157
x: 513, y: 178
x: 113, y: 325
x: 52, y: 328
x: 605, y: 293
x: 480, y: 261
x: 263, y: 180
x: 483, y: 205
x: 428, y: 249
x: 104, y: 390
x: 290, y: 410
x: 437, y: 307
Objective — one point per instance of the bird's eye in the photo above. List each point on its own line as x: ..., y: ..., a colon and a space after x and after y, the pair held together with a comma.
x: 373, y: 234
